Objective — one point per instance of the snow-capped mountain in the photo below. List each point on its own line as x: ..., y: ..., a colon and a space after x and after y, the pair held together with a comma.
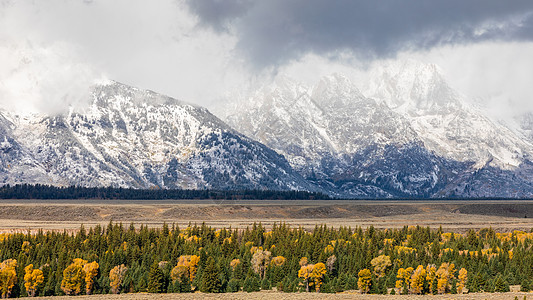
x: 408, y: 133
x: 443, y: 118
x: 134, y: 138
x: 403, y: 133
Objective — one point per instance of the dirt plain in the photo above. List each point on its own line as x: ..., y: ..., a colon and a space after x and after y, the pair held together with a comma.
x: 457, y: 216
x: 272, y: 295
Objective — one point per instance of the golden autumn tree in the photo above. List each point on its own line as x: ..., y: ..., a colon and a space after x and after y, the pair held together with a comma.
x: 116, y: 277
x: 278, y: 261
x: 305, y: 273
x: 260, y: 261
x: 32, y: 279
x: 365, y: 280
x: 303, y: 261
x: 418, y: 279
x: 380, y: 264
x: 73, y: 277
x: 187, y: 265
x: 444, y: 275
x: 404, y: 278
x: 179, y: 273
x: 319, y: 270
x: 431, y: 271
x: 90, y: 271
x: 8, y: 277
x: 233, y: 264
x: 463, y: 276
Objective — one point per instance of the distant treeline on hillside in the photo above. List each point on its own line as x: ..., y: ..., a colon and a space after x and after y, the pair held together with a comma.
x: 38, y: 191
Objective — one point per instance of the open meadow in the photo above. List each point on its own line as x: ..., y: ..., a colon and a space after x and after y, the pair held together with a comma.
x: 458, y: 216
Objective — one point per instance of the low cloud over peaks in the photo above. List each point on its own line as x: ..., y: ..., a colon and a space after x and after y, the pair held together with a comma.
x: 274, y: 32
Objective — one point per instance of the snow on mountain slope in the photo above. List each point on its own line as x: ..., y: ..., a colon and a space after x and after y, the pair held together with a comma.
x: 339, y: 139
x: 443, y: 118
x: 408, y: 134
x: 134, y: 138
x: 16, y: 164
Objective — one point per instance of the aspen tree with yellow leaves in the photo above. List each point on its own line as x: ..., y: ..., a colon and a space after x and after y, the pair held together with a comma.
x: 364, y: 281
x: 33, y: 278
x: 8, y: 277
x: 116, y: 278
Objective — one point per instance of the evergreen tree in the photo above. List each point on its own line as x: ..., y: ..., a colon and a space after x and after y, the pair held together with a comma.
x: 525, y: 286
x: 500, y: 285
x: 265, y: 285
x: 210, y: 281
x: 234, y: 285
x: 156, y: 279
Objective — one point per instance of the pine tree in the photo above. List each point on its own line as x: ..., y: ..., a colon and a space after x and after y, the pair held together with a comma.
x: 525, y: 286
x: 155, y: 279
x: 210, y: 280
x: 500, y: 285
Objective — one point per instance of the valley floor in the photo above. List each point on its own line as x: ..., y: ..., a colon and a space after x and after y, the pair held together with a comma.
x: 270, y: 295
x: 457, y: 216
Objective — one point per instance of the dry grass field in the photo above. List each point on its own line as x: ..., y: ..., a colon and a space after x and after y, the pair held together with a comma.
x: 458, y: 216
x: 270, y: 295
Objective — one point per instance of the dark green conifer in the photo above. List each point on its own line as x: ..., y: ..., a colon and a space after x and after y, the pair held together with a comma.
x: 156, y: 279
x: 210, y: 281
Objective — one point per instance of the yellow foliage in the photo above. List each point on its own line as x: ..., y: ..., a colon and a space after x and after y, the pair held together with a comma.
x: 305, y: 273
x: 32, y: 279
x: 329, y: 249
x: 8, y: 276
x: 179, y: 272
x: 403, y: 249
x: 90, y: 270
x: 380, y: 264
x: 255, y: 249
x: 234, y: 263
x: 190, y: 263
x: 444, y: 275
x: 78, y: 273
x: 116, y: 276
x: 365, y: 277
x: 418, y: 279
x: 278, y: 261
x: 404, y: 277
x: 303, y: 261
x: 463, y: 276
x: 319, y: 270
x: 26, y: 247
x: 73, y: 278
x: 431, y: 273
x: 193, y: 239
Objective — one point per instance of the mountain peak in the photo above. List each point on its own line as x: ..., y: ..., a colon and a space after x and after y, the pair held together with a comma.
x: 412, y: 87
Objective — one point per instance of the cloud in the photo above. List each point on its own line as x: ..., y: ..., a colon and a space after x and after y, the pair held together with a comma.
x: 272, y: 33
x: 51, y: 51
x: 46, y: 80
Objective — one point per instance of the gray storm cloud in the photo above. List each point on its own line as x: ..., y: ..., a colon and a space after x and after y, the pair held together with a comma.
x: 273, y: 32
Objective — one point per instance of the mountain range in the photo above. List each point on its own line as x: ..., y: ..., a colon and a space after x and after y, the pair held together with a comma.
x: 403, y: 133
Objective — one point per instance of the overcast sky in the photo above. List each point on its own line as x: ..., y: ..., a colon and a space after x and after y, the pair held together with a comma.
x: 198, y: 50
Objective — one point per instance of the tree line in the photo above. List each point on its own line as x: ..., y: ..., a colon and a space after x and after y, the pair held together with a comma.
x: 125, y: 259
x: 39, y: 191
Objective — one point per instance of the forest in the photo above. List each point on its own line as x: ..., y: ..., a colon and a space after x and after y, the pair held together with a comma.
x: 129, y: 259
x: 39, y: 191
